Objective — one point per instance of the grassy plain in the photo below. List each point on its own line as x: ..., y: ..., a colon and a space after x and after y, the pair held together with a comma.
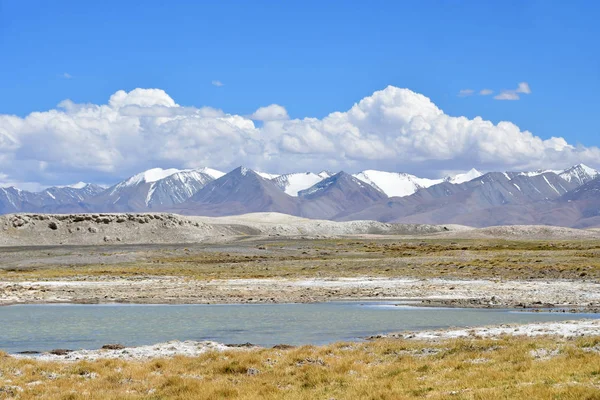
x: 502, y: 368
x: 292, y: 258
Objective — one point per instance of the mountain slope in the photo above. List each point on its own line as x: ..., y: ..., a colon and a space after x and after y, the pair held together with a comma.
x: 463, y: 203
x: 339, y: 193
x: 154, y: 189
x: 238, y: 192
x: 54, y: 199
x: 77, y: 193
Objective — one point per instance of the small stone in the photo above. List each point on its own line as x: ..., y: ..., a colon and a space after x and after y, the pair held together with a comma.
x: 60, y: 352
x: 113, y: 346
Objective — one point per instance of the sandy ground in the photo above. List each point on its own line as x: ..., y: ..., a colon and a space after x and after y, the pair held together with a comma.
x: 581, y: 295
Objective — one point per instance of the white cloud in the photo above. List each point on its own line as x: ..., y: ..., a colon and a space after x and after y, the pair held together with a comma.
x: 465, y: 92
x: 523, y: 88
x: 513, y: 94
x: 273, y: 112
x: 67, y: 75
x: 217, y: 83
x: 393, y: 129
x: 485, y: 92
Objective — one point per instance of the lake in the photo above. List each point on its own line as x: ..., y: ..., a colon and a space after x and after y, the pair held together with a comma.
x: 72, y: 326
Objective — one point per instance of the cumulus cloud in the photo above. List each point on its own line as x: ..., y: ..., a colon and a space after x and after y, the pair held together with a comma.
x: 465, y: 92
x: 67, y: 75
x: 485, y: 92
x: 393, y: 129
x: 274, y: 112
x: 217, y: 83
x: 522, y: 88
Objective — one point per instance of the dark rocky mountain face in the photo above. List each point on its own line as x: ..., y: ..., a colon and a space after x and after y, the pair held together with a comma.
x: 584, y: 202
x: 339, y: 193
x: 240, y: 191
x: 587, y: 191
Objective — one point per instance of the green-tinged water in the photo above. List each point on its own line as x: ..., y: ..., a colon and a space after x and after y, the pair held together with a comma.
x: 45, y: 327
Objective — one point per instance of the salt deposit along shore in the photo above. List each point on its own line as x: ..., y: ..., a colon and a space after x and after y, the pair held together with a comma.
x: 580, y: 295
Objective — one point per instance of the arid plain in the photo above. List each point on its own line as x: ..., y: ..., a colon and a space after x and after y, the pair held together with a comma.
x: 270, y: 258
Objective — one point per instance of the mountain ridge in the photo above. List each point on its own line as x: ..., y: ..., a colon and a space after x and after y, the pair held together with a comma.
x: 554, y: 197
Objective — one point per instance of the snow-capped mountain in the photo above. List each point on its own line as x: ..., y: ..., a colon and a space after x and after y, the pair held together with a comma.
x: 482, y: 201
x: 579, y: 174
x: 556, y: 197
x: 237, y: 192
x: 340, y: 193
x: 395, y: 184
x: 154, y: 189
x: 15, y: 200
x: 400, y: 184
x: 54, y: 198
x: 466, y: 177
x: 293, y: 183
x: 76, y: 193
x: 178, y: 187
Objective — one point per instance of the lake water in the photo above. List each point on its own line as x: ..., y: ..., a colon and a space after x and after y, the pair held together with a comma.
x: 46, y: 327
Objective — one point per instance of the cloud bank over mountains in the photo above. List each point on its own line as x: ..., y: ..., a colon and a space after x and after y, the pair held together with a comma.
x: 394, y: 129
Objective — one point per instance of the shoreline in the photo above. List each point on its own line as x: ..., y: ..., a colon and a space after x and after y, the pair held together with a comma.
x: 189, y: 348
x: 399, y: 302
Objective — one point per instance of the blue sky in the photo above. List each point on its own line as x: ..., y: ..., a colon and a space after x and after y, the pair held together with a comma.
x: 311, y: 57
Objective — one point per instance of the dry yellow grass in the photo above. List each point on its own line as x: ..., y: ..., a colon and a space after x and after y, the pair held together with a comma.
x: 506, y: 368
x: 346, y: 258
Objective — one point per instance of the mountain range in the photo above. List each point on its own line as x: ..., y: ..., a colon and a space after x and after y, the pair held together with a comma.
x: 569, y: 197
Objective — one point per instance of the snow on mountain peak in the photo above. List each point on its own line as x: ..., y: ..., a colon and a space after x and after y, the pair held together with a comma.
x: 325, y: 174
x: 588, y: 170
x: 466, y: 177
x: 293, y: 183
x: 215, y: 174
x: 580, y: 173
x: 78, y: 185
x: 151, y: 175
x: 395, y: 183
x: 266, y: 175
